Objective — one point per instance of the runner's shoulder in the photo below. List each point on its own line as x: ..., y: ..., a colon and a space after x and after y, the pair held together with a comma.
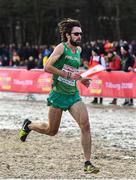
x: 59, y: 48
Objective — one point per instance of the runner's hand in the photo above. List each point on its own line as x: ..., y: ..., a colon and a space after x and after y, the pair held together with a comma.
x: 72, y: 75
x: 75, y: 76
x: 85, y: 81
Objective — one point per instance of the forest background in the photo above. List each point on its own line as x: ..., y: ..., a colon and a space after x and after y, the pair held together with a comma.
x: 35, y: 21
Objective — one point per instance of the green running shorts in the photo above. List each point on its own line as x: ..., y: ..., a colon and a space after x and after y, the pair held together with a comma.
x: 62, y: 101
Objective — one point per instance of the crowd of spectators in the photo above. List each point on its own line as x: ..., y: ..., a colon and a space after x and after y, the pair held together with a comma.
x: 118, y: 56
x: 104, y: 46
x: 30, y: 56
x: 18, y: 55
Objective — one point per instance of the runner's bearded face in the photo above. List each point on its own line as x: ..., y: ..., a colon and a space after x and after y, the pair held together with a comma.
x: 76, y: 36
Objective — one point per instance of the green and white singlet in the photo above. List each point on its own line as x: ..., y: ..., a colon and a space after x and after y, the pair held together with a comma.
x: 64, y: 91
x: 68, y: 62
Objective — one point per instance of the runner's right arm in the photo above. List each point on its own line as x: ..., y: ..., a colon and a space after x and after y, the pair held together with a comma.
x: 58, y: 51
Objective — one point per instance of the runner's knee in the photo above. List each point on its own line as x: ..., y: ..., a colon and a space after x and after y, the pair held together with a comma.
x: 53, y: 132
x: 85, y: 127
x: 46, y: 129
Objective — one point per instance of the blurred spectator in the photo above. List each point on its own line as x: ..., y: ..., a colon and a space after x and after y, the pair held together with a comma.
x: 133, y: 69
x: 114, y: 61
x: 15, y: 59
x: 4, y: 60
x: 96, y: 59
x: 85, y: 54
x: 40, y: 61
x: 107, y: 46
x: 31, y: 63
x: 4, y: 55
x: 46, y: 53
x: 127, y: 63
x: 133, y: 44
x: 113, y: 64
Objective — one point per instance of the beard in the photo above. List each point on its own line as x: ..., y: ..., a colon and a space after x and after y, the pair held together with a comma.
x: 75, y: 43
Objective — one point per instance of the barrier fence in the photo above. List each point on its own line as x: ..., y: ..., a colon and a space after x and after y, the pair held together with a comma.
x: 104, y: 84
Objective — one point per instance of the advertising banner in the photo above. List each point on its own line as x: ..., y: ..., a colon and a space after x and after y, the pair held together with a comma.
x: 24, y: 81
x: 111, y: 84
x: 103, y: 84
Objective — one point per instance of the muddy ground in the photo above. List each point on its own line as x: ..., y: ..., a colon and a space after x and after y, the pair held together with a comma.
x: 61, y: 157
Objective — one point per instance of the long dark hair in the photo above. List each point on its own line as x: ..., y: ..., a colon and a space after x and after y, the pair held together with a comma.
x: 65, y: 26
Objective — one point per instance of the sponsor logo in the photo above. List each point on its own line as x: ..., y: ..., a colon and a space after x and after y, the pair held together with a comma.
x: 96, y: 86
x: 5, y: 82
x: 44, y: 83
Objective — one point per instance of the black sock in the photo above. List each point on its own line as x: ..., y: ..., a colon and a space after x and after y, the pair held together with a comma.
x: 87, y: 162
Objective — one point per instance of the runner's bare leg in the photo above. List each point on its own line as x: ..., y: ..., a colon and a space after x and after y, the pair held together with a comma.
x: 80, y: 114
x: 54, y: 119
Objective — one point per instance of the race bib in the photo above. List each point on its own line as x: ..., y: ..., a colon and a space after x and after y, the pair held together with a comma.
x: 70, y: 69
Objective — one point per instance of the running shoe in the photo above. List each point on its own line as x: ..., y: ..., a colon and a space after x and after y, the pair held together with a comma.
x: 24, y: 131
x: 89, y: 168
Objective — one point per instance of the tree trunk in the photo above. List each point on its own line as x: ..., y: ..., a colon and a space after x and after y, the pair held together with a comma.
x: 117, y: 20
